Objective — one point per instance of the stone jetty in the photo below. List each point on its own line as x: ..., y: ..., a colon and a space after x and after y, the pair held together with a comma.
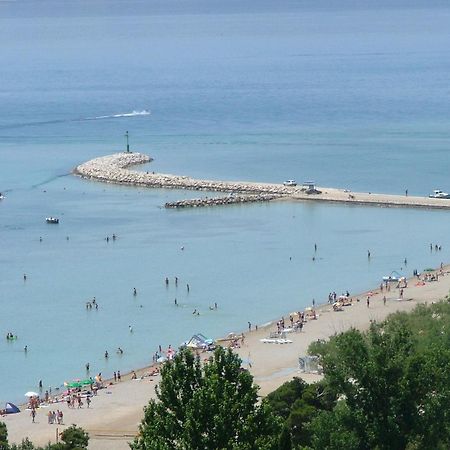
x: 113, y: 169
x: 220, y: 201
x: 116, y: 169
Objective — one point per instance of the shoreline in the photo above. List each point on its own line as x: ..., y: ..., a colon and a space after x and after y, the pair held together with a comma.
x: 114, y: 169
x: 117, y: 410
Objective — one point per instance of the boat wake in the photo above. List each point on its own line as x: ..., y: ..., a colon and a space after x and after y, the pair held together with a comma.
x: 144, y: 112
x: 134, y: 113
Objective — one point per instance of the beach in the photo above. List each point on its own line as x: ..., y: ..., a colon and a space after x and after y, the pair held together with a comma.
x: 115, y: 413
x: 220, y: 103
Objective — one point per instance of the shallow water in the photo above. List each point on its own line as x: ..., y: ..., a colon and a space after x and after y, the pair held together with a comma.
x: 352, y: 98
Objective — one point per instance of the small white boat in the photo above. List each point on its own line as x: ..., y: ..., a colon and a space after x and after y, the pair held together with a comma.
x: 290, y: 183
x: 1, y: 196
x: 52, y: 220
x: 439, y: 194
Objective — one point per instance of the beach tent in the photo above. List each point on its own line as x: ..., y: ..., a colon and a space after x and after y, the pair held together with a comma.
x: 199, y: 341
x: 11, y: 408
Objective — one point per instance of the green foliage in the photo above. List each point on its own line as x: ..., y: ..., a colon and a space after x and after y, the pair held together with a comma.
x: 74, y: 438
x: 3, y: 437
x: 26, y: 444
x: 282, y: 399
x: 385, y: 389
x: 332, y: 430
x: 393, y: 382
x: 298, y: 403
x: 210, y: 406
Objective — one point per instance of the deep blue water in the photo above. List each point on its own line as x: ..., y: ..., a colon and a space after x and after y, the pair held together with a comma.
x: 340, y: 92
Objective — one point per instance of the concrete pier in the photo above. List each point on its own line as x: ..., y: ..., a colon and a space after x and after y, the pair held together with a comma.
x: 115, y: 169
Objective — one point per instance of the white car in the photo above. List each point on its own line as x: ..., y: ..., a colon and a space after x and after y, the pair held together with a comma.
x: 439, y: 194
x: 290, y: 183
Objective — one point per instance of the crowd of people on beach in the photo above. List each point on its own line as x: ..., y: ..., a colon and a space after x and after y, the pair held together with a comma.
x: 295, y: 322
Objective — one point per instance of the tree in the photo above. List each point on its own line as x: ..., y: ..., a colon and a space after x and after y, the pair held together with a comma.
x: 209, y: 406
x: 74, y: 438
x: 3, y: 437
x: 26, y: 444
x: 394, y: 391
x: 298, y: 402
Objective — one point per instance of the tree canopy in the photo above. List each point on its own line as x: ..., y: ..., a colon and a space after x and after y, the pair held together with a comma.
x: 386, y: 389
x: 72, y: 438
x: 207, y: 406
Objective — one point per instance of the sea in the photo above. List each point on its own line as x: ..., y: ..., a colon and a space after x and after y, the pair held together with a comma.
x: 349, y: 94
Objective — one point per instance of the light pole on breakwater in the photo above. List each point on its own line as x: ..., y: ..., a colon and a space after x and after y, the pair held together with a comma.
x: 128, y: 145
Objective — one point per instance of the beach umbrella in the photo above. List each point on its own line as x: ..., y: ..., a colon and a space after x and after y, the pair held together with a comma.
x: 31, y: 394
x: 73, y: 384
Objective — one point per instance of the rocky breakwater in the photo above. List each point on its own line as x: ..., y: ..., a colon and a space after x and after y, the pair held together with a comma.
x: 219, y: 201
x: 114, y: 169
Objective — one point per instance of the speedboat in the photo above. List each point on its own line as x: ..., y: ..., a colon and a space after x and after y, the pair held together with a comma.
x: 1, y: 196
x: 52, y: 220
x: 439, y: 194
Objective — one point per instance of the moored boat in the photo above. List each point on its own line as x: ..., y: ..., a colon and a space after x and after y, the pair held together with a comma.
x: 52, y: 220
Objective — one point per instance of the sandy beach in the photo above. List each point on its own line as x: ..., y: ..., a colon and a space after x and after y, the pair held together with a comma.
x: 115, y: 413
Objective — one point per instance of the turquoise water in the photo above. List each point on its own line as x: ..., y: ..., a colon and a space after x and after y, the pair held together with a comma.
x: 352, y: 97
